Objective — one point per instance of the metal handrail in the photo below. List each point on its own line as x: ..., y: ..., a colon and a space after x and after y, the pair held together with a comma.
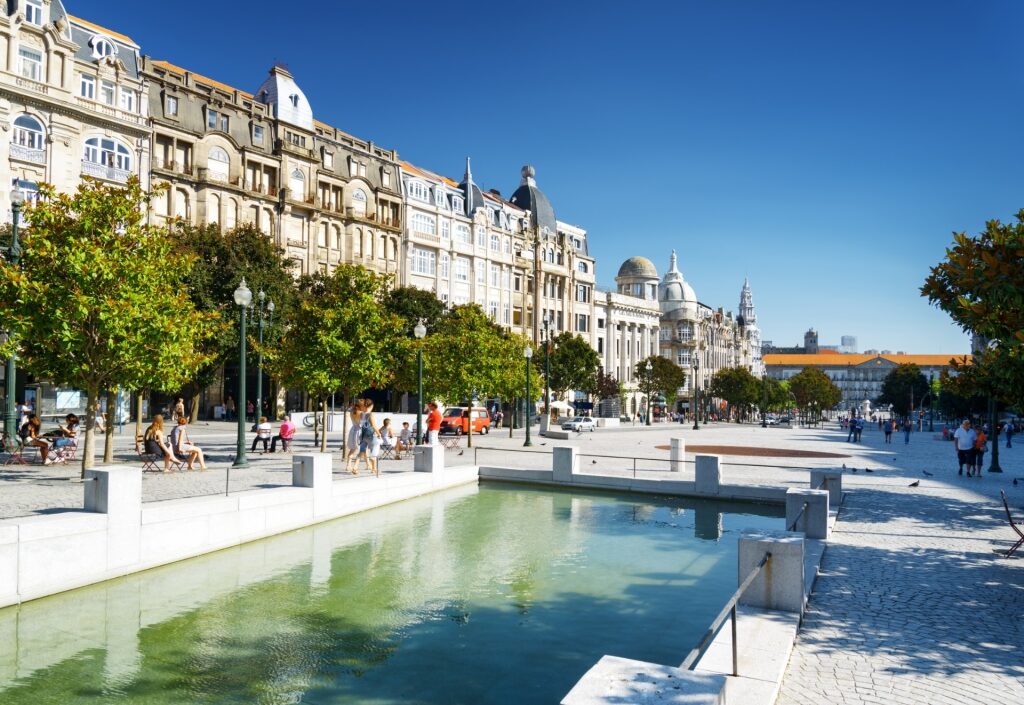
x: 728, y: 611
x: 796, y: 520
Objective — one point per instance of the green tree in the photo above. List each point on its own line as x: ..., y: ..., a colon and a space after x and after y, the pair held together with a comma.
x: 981, y: 286
x: 412, y: 305
x: 510, y: 380
x: 338, y: 337
x: 666, y: 377
x: 737, y: 386
x: 773, y: 395
x: 99, y: 301
x: 904, y: 386
x: 222, y: 259
x: 467, y: 354
x: 573, y: 364
x: 814, y: 392
x: 605, y: 386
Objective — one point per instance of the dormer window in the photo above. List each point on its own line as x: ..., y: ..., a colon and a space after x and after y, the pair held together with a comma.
x: 418, y: 190
x: 294, y: 100
x: 34, y: 12
x: 328, y: 160
x: 102, y: 48
x: 458, y: 204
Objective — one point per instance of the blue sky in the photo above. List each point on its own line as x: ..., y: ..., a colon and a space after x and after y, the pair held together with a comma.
x: 825, y: 150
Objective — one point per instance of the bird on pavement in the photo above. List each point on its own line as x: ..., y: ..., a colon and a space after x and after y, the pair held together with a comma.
x: 929, y: 474
x: 594, y: 462
x: 868, y: 470
x: 461, y: 452
x: 915, y: 483
x: 854, y: 469
x: 1015, y: 482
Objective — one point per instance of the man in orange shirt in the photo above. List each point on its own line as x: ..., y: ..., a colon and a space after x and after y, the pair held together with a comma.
x: 433, y: 423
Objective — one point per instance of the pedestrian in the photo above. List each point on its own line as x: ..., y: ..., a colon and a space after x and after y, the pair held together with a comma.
x: 263, y: 433
x: 179, y: 410
x: 980, y: 446
x: 851, y: 429
x: 250, y: 410
x: 858, y: 429
x: 963, y: 441
x: 887, y: 430
x: 355, y: 415
x: 285, y: 435
x: 1009, y: 434
x: 908, y: 426
x: 369, y: 439
x: 434, y: 423
x: 229, y: 408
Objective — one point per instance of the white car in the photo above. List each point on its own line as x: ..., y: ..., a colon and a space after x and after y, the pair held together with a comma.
x: 580, y: 424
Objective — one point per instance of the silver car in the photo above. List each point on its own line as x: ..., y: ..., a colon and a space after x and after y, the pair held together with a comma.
x: 580, y: 424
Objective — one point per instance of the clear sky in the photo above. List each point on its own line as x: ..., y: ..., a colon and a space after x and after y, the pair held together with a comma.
x: 826, y: 150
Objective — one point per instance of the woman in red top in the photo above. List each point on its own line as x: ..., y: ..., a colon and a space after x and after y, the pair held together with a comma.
x: 433, y: 423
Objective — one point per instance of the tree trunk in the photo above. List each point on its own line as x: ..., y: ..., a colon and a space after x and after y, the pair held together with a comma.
x: 512, y: 415
x: 138, y: 414
x: 323, y: 438
x: 91, y: 404
x: 344, y: 425
x: 193, y: 414
x: 112, y: 413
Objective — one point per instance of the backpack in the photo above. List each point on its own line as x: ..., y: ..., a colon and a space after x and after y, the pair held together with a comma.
x: 365, y: 430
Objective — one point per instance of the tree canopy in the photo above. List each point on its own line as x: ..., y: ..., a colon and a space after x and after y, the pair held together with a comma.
x: 981, y: 286
x: 99, y: 300
x: 904, y: 386
x: 338, y: 337
x: 666, y: 377
x: 413, y: 304
x: 573, y: 364
x: 811, y: 388
x: 737, y: 386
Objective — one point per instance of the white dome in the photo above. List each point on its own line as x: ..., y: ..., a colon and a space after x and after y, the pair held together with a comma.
x: 286, y: 98
x: 674, y: 291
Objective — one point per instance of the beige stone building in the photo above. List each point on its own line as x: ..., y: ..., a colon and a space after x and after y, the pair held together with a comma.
x: 71, y: 102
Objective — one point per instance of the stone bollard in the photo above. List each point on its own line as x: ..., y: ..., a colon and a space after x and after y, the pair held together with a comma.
x: 830, y: 480
x: 314, y: 470
x: 677, y: 454
x: 428, y: 459
x: 565, y: 463
x: 780, y: 584
x: 116, y: 490
x: 708, y: 474
x: 813, y: 521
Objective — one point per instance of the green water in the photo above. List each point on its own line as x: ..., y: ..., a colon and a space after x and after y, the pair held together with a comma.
x: 497, y: 594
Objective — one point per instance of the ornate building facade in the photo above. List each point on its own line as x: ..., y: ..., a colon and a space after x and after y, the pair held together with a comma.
x: 232, y: 157
x: 71, y: 101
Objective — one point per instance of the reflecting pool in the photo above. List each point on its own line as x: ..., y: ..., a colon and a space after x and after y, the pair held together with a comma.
x: 491, y: 594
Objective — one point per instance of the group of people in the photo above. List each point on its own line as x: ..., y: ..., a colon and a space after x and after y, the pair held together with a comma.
x: 366, y: 440
x: 971, y: 445
x: 176, y: 448
x: 264, y: 434
x: 54, y: 447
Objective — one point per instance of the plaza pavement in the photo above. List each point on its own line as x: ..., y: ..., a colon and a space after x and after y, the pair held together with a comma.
x: 912, y: 604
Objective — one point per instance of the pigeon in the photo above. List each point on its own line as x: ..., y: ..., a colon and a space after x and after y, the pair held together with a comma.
x: 929, y: 474
x: 844, y: 466
x: 915, y: 483
x: 594, y: 462
x: 543, y: 444
x: 1015, y: 482
x: 461, y: 452
x: 868, y: 470
x: 855, y: 469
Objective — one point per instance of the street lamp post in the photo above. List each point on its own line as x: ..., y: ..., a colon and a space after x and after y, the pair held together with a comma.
x: 992, y: 420
x: 696, y: 394
x: 547, y: 367
x: 527, y: 354
x: 13, y: 256
x: 243, y: 297
x: 649, y: 368
x: 764, y: 393
x: 931, y: 402
x: 420, y: 331
x: 269, y: 308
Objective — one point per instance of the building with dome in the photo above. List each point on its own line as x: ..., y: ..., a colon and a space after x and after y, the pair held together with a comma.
x: 627, y: 328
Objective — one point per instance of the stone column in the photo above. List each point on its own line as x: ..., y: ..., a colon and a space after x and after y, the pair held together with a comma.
x: 428, y: 459
x: 564, y: 463
x: 831, y: 481
x: 808, y: 510
x: 677, y: 454
x: 116, y: 490
x: 708, y: 474
x: 314, y: 470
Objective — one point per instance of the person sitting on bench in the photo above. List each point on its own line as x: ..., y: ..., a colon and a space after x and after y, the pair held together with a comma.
x: 285, y: 435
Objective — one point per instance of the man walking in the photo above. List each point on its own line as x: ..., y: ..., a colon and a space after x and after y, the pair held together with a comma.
x: 908, y: 426
x: 852, y: 429
x: 964, y: 440
x: 1009, y: 434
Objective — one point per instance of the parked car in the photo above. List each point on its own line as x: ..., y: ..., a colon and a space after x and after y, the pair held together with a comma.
x: 771, y: 421
x: 580, y: 424
x: 456, y: 420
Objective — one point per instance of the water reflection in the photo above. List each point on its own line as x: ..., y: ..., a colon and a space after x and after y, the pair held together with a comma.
x: 475, y: 595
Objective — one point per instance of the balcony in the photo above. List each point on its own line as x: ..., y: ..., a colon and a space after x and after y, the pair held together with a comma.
x: 31, y: 85
x: 108, y: 173
x: 109, y: 111
x: 173, y: 167
x: 265, y: 189
x: 26, y: 154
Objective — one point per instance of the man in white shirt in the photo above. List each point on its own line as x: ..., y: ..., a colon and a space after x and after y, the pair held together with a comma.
x: 963, y: 440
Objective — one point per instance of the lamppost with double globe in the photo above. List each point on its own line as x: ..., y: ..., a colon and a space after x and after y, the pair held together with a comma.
x: 265, y: 308
x: 527, y: 354
x: 14, y: 257
x: 243, y: 297
x: 420, y: 332
x: 696, y: 394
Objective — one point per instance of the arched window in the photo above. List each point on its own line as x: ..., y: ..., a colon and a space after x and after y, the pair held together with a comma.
x: 28, y: 132
x: 230, y: 213
x: 102, y: 47
x: 297, y: 184
x: 217, y: 165
x: 213, y: 208
x: 359, y: 202
x: 109, y: 153
x: 582, y: 267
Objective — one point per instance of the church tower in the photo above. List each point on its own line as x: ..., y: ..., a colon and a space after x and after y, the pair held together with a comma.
x: 747, y: 315
x: 748, y: 320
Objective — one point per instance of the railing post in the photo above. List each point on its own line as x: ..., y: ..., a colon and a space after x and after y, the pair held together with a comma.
x: 780, y: 586
x: 811, y: 519
x: 735, y: 646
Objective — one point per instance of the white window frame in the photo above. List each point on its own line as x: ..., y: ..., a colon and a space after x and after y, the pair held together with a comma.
x: 446, y: 265
x: 33, y: 137
x: 582, y: 267
x: 495, y: 275
x: 424, y: 261
x: 212, y: 119
x: 87, y: 86
x: 481, y: 236
x: 34, y: 12
x: 461, y: 269
x: 30, y: 63
x: 463, y: 234
x: 423, y: 223
x: 102, y: 47
x: 458, y: 204
x: 127, y: 99
x: 446, y: 230
x: 417, y: 190
x: 171, y: 106
x: 107, y: 92
x: 481, y: 272
x: 108, y: 152
x: 359, y: 201
x: 495, y: 242
x: 220, y: 172
x: 328, y: 160
x: 257, y: 134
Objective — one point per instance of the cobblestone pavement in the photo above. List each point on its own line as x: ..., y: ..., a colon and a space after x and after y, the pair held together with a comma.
x: 912, y: 604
